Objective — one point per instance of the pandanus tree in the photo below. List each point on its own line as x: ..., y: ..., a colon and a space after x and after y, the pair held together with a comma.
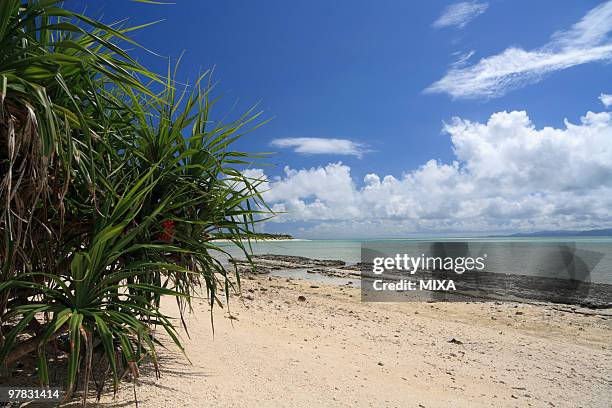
x: 113, y: 180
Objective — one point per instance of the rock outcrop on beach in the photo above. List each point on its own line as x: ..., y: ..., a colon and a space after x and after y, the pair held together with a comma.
x: 470, y: 286
x: 262, y: 264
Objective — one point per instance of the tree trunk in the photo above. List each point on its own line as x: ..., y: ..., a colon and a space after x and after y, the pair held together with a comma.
x: 26, y: 347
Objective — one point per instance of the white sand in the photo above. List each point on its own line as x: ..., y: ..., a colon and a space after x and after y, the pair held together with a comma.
x: 332, y: 350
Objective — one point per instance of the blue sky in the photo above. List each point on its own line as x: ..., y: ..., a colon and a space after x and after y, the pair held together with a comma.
x: 359, y: 70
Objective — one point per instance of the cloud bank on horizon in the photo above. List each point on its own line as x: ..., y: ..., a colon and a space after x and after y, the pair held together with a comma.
x: 460, y: 14
x: 507, y: 176
x: 586, y: 41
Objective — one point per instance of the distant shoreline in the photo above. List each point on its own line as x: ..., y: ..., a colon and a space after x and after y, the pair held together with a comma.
x: 594, y: 233
x: 262, y: 239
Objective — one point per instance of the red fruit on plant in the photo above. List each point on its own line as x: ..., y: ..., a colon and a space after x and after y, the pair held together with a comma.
x: 168, y: 234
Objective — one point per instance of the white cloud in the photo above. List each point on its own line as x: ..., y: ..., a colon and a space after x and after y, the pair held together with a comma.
x: 460, y: 14
x: 605, y: 99
x: 507, y: 175
x: 462, y: 58
x: 319, y: 145
x: 586, y: 41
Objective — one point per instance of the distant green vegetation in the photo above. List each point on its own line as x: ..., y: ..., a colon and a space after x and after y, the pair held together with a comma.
x: 256, y: 235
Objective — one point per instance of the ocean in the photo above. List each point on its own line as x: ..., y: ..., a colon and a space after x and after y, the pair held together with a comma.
x: 582, y: 258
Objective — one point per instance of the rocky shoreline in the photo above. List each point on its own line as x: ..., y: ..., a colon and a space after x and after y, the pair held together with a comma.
x: 471, y: 286
x: 263, y: 264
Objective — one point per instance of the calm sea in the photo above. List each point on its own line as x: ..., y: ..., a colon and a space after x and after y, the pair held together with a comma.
x: 562, y: 258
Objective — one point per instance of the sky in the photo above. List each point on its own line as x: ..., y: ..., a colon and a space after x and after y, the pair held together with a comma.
x: 397, y: 118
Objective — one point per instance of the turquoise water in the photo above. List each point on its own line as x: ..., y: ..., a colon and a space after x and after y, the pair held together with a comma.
x: 521, y: 256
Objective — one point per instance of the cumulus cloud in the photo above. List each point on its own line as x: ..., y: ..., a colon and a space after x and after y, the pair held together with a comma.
x: 605, y: 99
x: 320, y: 145
x: 586, y: 41
x: 460, y: 14
x: 507, y: 175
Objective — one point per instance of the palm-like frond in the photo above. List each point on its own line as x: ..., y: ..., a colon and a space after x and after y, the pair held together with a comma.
x: 110, y: 192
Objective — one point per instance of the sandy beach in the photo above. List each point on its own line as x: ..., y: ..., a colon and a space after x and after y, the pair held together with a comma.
x: 294, y: 343
x: 409, y: 202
